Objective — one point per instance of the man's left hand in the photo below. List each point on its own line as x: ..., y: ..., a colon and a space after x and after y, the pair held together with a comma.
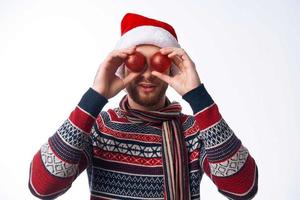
x: 187, y: 78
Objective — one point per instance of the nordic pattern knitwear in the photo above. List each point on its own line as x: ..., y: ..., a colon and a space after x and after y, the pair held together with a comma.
x: 124, y: 160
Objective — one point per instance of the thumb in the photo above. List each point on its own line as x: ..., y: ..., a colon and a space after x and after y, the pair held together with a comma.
x: 161, y: 76
x: 131, y: 76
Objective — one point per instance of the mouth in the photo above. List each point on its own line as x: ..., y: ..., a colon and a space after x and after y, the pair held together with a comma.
x: 147, y: 87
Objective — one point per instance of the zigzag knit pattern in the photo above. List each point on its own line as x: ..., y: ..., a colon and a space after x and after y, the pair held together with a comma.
x: 124, y: 159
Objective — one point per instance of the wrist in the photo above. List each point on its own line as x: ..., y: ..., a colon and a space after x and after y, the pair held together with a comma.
x: 99, y: 90
x: 92, y: 102
x: 198, y: 98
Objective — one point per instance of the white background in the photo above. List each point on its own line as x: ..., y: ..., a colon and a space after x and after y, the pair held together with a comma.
x: 246, y: 52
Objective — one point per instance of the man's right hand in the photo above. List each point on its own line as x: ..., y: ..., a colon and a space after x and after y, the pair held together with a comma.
x: 106, y: 82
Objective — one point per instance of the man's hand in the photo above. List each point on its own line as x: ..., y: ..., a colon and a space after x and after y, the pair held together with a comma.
x: 188, y: 78
x: 106, y: 82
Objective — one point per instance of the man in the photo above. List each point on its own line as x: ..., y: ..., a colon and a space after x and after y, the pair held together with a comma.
x: 145, y: 148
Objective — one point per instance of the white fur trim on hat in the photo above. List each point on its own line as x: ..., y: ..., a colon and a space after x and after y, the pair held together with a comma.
x: 147, y: 35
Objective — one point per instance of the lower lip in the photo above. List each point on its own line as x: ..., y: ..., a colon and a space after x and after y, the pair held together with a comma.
x: 148, y: 89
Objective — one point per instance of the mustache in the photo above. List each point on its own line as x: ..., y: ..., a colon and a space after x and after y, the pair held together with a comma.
x: 150, y: 79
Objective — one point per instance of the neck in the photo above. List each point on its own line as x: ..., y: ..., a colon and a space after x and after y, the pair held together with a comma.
x: 137, y: 106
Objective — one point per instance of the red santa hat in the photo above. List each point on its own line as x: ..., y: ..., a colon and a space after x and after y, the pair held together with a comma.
x: 137, y: 29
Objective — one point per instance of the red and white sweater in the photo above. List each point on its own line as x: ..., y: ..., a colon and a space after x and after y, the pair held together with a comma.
x: 124, y: 160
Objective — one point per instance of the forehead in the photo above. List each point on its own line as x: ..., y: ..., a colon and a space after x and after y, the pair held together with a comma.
x: 147, y: 49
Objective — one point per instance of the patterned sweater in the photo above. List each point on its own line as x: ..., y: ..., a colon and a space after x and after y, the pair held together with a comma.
x: 123, y: 160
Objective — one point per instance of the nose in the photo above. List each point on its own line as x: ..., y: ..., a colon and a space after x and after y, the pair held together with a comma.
x: 147, y: 71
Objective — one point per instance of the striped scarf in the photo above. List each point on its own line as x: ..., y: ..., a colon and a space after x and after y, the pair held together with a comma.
x: 174, y: 153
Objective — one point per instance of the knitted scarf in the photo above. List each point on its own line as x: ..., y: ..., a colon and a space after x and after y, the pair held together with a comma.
x: 174, y: 153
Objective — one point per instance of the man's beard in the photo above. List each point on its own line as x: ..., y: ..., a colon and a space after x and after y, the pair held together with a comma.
x: 147, y: 99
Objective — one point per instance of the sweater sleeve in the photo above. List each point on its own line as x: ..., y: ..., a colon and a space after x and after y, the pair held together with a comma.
x: 68, y: 152
x: 223, y: 157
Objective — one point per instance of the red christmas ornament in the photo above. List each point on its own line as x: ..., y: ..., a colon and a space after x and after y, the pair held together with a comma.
x: 135, y: 62
x: 160, y: 62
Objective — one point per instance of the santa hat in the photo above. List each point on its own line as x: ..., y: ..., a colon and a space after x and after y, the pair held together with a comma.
x: 137, y: 29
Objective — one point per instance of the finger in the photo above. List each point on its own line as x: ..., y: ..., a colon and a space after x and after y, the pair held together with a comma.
x: 177, y: 61
x: 113, y: 62
x: 176, y: 53
x: 161, y: 76
x: 116, y: 58
x: 186, y: 57
x: 168, y: 50
x: 120, y: 55
x: 115, y: 54
x: 130, y: 77
x: 179, y: 57
x: 123, y: 53
x: 129, y: 50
